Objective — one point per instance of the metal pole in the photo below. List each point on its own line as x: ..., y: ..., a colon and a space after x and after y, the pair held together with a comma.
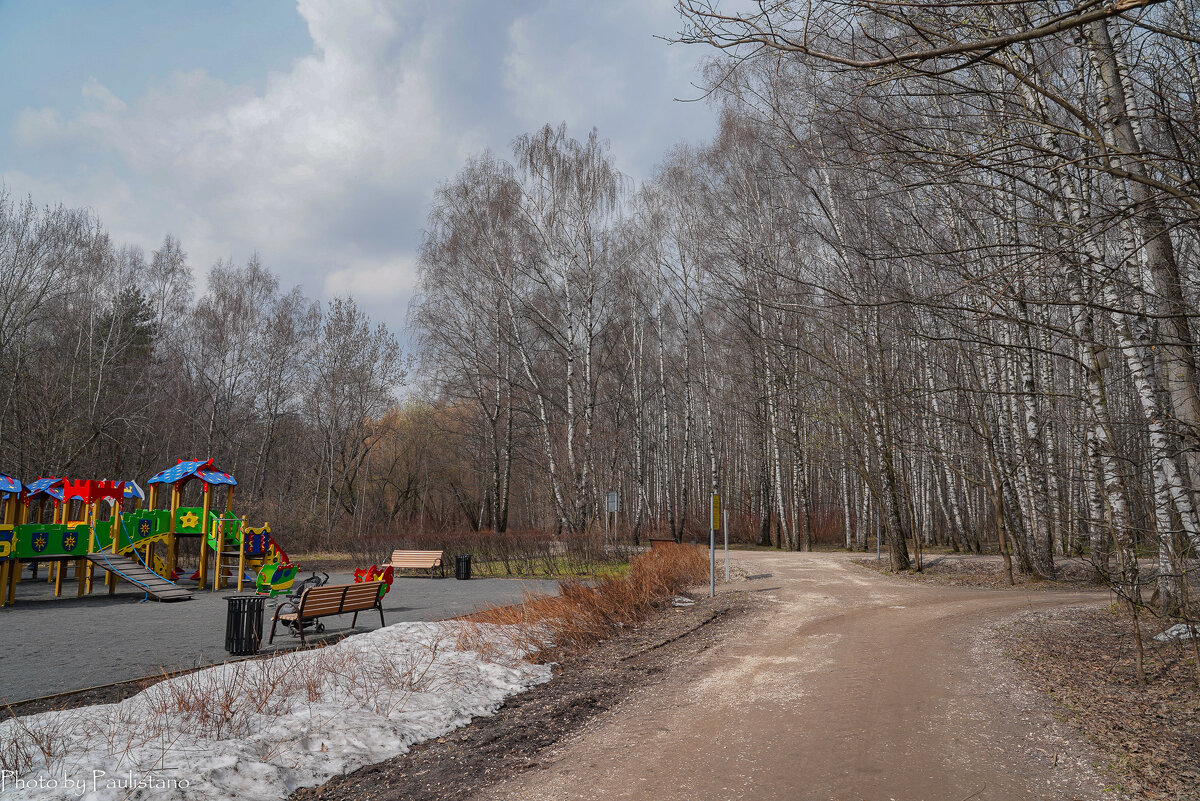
x: 712, y: 563
x: 725, y: 520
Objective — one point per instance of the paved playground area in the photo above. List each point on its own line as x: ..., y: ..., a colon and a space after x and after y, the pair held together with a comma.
x: 54, y: 645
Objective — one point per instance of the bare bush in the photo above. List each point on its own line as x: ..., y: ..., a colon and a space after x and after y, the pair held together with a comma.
x: 584, y: 613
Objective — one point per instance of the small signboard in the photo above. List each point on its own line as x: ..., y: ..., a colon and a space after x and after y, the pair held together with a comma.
x: 716, y: 512
x: 612, y: 502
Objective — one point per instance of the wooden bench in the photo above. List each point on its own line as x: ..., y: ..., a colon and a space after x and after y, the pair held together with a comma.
x: 419, y: 560
x: 331, y: 599
x: 661, y: 542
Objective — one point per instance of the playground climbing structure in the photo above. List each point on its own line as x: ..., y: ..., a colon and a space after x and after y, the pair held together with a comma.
x: 65, y: 523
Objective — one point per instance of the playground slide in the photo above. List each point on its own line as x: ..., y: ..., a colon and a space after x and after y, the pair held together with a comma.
x: 137, y: 574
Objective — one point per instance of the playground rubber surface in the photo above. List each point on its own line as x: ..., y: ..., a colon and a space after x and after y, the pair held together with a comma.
x: 56, y: 645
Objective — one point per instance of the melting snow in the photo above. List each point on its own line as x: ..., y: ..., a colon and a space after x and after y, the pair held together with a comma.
x: 1177, y: 632
x: 260, y: 729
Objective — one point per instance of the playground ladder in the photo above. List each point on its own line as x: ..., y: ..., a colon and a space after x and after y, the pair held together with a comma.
x: 135, y: 573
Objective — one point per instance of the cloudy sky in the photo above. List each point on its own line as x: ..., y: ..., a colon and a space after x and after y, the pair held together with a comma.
x: 315, y: 131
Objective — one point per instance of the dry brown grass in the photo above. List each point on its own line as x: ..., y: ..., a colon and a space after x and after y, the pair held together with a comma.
x: 22, y: 742
x: 585, y: 613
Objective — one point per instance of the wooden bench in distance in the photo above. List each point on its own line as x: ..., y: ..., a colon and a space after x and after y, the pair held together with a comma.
x: 332, y: 599
x: 661, y: 542
x: 419, y: 560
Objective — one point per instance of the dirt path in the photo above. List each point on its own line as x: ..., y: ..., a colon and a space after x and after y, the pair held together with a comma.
x: 849, y: 686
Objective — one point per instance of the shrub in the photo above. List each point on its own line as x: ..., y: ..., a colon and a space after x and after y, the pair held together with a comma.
x: 583, y: 613
x: 509, y: 553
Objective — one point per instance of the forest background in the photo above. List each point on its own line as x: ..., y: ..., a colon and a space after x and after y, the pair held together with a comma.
x: 933, y: 279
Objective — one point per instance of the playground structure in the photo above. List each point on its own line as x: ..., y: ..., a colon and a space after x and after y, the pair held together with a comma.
x: 86, y: 526
x: 385, y: 575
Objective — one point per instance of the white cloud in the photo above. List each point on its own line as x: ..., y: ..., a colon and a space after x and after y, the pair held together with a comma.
x: 327, y: 169
x: 281, y: 170
x: 374, y: 282
x: 607, y: 68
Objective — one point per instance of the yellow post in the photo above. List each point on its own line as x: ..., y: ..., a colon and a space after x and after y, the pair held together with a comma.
x: 10, y: 506
x: 172, y: 541
x: 58, y: 577
x: 110, y: 578
x: 114, y: 531
x: 89, y: 519
x: 14, y: 574
x: 207, y: 507
x: 241, y: 551
x: 50, y: 569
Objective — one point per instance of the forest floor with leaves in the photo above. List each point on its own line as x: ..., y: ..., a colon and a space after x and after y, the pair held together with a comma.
x: 987, y: 571
x: 1084, y: 659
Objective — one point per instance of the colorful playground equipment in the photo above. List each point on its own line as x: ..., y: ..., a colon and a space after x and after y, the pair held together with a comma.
x: 84, y: 527
x: 225, y: 535
x: 64, y: 522
x: 275, y: 579
x: 10, y: 493
x: 385, y: 575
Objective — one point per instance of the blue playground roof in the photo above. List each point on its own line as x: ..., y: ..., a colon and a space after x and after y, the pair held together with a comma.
x: 132, y: 490
x: 48, y: 486
x: 9, y: 485
x: 202, y: 470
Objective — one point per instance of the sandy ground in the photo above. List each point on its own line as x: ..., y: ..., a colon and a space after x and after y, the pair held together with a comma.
x: 54, y: 645
x: 847, y: 685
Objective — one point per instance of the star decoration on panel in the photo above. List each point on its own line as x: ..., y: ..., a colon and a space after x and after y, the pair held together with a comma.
x: 69, y: 541
x: 144, y: 528
x: 39, y: 542
x: 189, y: 520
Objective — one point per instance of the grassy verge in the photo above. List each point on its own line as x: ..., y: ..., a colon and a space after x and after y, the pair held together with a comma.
x: 559, y: 568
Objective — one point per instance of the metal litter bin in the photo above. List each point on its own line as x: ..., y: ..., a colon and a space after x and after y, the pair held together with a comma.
x: 462, y: 566
x: 244, y: 624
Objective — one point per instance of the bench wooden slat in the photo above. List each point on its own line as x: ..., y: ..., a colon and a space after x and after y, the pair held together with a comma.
x: 417, y: 560
x: 332, y: 599
x: 318, y: 609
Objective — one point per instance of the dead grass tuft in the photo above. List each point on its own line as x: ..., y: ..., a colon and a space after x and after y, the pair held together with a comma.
x: 226, y: 701
x: 583, y: 613
x: 25, y: 743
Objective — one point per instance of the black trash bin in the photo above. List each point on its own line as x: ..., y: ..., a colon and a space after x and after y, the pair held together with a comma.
x: 462, y: 566
x: 244, y: 624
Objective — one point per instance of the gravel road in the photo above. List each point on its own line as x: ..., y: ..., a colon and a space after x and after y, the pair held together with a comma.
x: 847, y: 685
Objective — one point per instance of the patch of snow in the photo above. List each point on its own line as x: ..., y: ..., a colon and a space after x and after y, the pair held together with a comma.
x: 1177, y: 632
x: 263, y: 728
x: 682, y: 600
